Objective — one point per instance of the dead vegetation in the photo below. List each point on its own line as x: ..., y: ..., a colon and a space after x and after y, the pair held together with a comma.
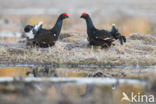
x: 74, y: 49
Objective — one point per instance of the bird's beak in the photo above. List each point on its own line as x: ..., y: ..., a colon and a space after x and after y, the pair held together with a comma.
x: 66, y: 16
x: 81, y: 17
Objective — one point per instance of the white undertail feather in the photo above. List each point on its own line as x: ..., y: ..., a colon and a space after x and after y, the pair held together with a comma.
x: 113, y: 24
x: 29, y: 35
x: 106, y: 38
x: 36, y: 28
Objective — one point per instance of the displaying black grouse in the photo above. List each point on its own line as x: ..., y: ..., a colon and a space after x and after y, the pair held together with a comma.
x: 101, y: 38
x: 45, y: 38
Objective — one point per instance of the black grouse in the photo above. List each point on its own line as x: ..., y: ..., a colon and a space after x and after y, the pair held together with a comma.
x: 101, y: 38
x: 42, y: 37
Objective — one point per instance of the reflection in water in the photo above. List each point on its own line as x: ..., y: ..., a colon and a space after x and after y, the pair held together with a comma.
x: 50, y: 71
x: 89, y: 89
x: 56, y: 90
x: 74, y: 93
x: 38, y: 72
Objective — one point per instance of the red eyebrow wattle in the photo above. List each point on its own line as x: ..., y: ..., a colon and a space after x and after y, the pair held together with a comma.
x: 83, y: 14
x: 65, y: 14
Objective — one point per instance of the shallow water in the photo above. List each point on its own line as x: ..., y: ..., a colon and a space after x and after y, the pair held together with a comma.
x: 67, y: 85
x: 71, y: 90
x: 36, y: 70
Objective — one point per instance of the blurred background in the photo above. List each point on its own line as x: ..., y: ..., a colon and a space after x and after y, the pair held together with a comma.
x: 130, y: 16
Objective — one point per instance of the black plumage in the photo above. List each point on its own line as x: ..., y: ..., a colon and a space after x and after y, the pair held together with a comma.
x: 103, y: 37
x: 45, y: 38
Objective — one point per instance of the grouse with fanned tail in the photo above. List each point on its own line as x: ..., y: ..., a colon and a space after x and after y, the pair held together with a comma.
x: 101, y: 38
x: 42, y: 37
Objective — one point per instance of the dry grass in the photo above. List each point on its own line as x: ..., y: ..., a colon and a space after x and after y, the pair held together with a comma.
x: 135, y: 25
x: 36, y: 20
x: 139, y: 50
x: 127, y: 25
